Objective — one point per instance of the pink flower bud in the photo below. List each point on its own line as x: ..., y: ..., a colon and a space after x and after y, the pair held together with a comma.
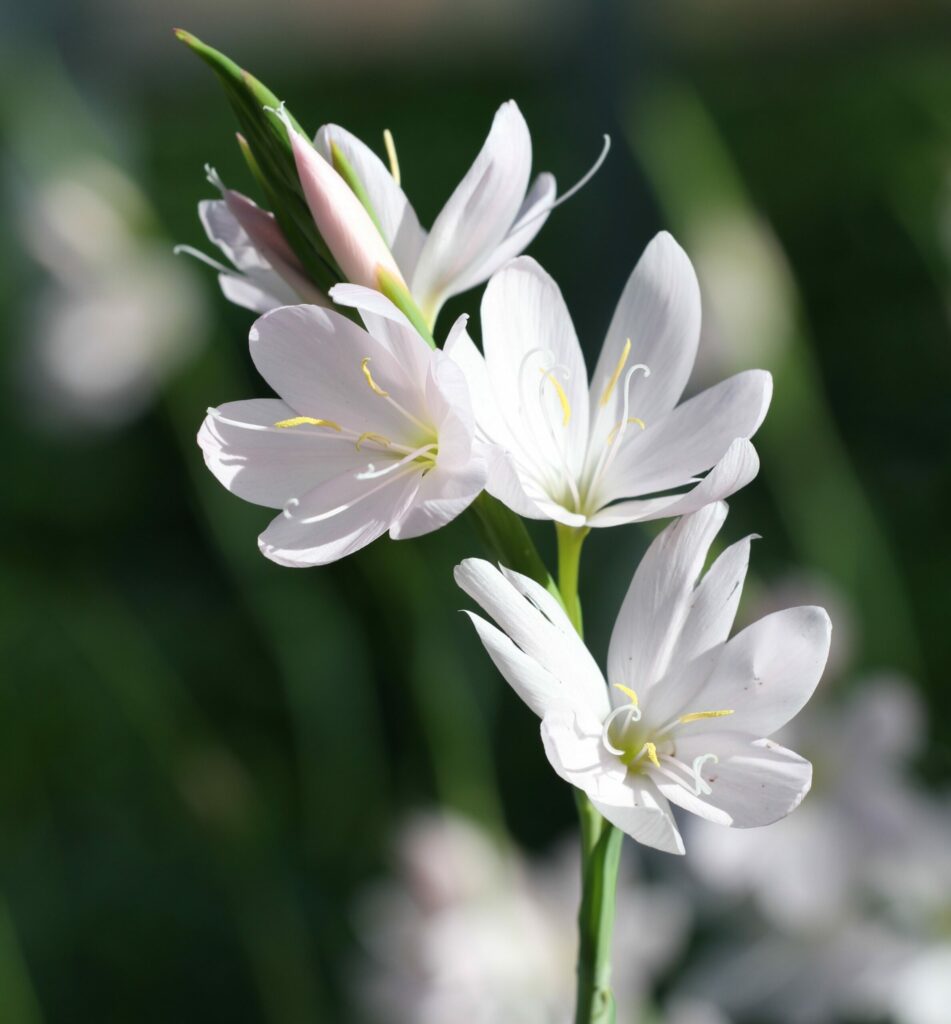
x: 343, y: 222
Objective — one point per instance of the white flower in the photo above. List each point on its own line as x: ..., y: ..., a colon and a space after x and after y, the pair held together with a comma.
x: 470, y: 931
x: 687, y: 710
x: 265, y: 273
x: 372, y: 431
x: 489, y: 218
x: 117, y: 316
x: 579, y: 455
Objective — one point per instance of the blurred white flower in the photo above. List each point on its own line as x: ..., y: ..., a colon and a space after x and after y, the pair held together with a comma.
x: 468, y: 930
x: 855, y: 886
x: 692, y: 733
x: 604, y: 454
x: 118, y: 314
x: 865, y: 818
x: 748, y: 293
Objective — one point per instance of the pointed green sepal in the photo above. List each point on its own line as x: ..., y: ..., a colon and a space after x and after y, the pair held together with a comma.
x: 346, y: 171
x: 397, y: 292
x: 268, y: 152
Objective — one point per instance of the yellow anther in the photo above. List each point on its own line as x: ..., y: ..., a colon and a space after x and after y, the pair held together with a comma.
x: 368, y: 435
x: 616, y: 376
x: 696, y: 716
x: 617, y: 427
x: 364, y: 365
x: 299, y: 421
x: 652, y: 754
x: 627, y: 691
x: 562, y: 397
x: 391, y: 154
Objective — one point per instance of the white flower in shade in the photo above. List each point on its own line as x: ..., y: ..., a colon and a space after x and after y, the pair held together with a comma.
x: 492, y: 215
x: 264, y: 273
x: 372, y: 431
x: 686, y: 714
x: 603, y: 455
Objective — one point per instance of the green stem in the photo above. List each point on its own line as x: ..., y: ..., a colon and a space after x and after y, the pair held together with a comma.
x: 503, y: 532
x: 600, y: 841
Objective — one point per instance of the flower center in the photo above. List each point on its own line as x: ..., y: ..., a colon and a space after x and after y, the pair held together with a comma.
x: 419, y: 454
x: 652, y: 751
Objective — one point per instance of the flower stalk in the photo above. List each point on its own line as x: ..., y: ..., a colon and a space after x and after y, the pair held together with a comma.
x: 600, y: 841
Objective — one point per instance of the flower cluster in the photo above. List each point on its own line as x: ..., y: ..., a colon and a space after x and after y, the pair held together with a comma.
x: 376, y: 429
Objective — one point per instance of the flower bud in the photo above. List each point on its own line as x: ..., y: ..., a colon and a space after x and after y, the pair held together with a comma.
x: 343, y: 222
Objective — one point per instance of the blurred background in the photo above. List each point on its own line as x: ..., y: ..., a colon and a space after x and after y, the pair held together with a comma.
x: 232, y: 791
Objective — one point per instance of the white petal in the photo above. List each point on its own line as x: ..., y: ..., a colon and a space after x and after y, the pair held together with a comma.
x: 336, y: 518
x: 528, y: 222
x: 258, y: 296
x: 753, y: 783
x: 658, y: 601
x: 714, y: 602
x: 537, y: 687
x: 572, y: 740
x: 630, y: 802
x: 689, y: 440
x: 442, y: 495
x: 479, y: 213
x: 312, y: 358
x: 734, y: 471
x: 528, y: 335
x: 556, y: 648
x: 522, y: 493
x: 450, y: 410
x: 387, y: 324
x: 397, y: 218
x: 659, y: 311
x: 222, y: 227
x: 462, y: 350
x: 649, y: 821
x: 266, y: 464
x: 765, y: 674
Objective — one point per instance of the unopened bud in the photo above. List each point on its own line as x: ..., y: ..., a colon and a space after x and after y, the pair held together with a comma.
x: 344, y: 224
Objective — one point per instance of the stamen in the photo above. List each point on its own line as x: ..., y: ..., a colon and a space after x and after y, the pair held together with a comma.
x: 617, y: 427
x: 368, y: 435
x: 391, y: 154
x: 651, y: 750
x: 364, y: 366
x: 616, y: 376
x: 299, y: 421
x: 562, y: 397
x: 372, y: 473
x: 696, y: 716
x: 702, y: 788
x: 612, y: 442
x: 627, y: 691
